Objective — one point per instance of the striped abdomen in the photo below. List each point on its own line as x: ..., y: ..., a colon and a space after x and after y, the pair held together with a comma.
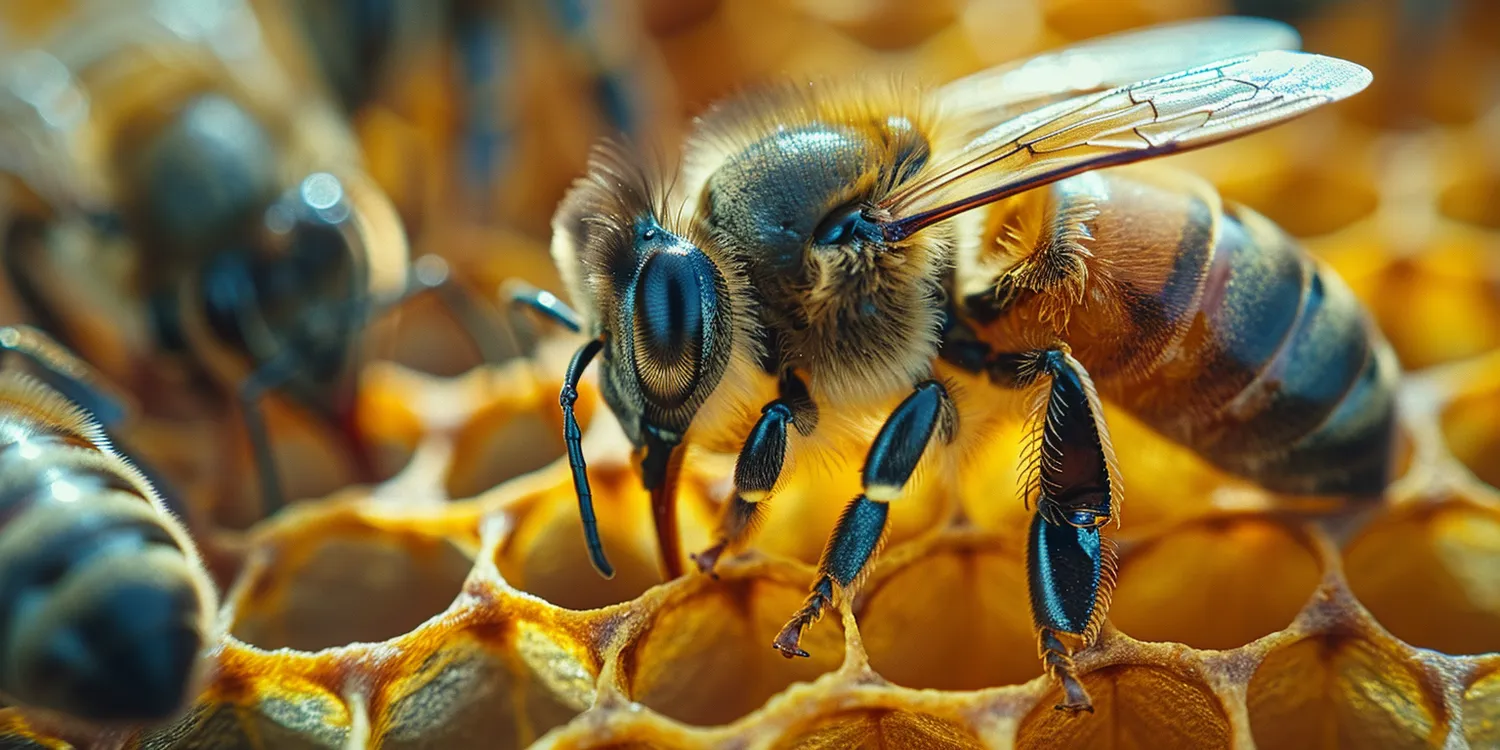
x: 104, y: 606
x: 1205, y: 321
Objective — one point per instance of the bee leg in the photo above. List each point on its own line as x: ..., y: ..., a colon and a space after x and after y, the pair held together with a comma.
x: 759, y: 466
x: 573, y: 438
x: 1070, y: 474
x: 1070, y: 573
x: 67, y: 372
x: 430, y: 273
x: 894, y: 455
x: 253, y: 388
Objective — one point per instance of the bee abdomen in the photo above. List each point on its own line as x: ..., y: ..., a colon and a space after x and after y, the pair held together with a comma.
x: 1281, y: 378
x: 102, y: 609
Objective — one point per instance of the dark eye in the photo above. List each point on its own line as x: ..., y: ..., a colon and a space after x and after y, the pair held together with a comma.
x: 675, y: 301
x: 843, y: 226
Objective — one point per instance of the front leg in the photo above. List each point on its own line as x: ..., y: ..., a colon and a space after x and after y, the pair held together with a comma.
x: 758, y: 468
x: 894, y: 455
x: 1072, y: 479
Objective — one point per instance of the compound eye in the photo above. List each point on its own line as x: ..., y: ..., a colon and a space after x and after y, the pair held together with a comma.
x: 1087, y: 519
x: 843, y: 226
x: 675, y: 304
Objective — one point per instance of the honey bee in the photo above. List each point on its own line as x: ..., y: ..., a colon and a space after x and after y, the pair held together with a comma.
x: 105, y: 607
x: 181, y: 203
x: 863, y: 241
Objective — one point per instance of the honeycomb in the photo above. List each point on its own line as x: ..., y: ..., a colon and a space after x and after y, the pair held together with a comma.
x: 453, y: 604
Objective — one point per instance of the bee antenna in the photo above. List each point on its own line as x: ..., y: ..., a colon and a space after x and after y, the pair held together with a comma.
x: 573, y: 438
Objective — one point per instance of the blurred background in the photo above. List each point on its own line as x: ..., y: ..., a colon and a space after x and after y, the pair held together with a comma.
x: 471, y: 117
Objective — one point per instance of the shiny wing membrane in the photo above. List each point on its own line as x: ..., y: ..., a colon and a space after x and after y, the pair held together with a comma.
x: 1006, y: 90
x: 1177, y: 112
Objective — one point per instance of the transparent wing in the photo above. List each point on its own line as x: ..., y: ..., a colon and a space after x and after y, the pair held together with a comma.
x: 1001, y: 92
x: 1185, y: 110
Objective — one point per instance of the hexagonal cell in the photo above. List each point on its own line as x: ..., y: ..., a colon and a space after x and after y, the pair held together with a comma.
x: 1481, y: 708
x: 881, y: 728
x: 1431, y: 575
x: 339, y: 579
x: 1469, y: 421
x: 1440, y: 306
x: 1346, y: 692
x: 1134, y: 706
x: 466, y: 693
x: 956, y: 617
x: 1218, y: 583
x: 705, y: 655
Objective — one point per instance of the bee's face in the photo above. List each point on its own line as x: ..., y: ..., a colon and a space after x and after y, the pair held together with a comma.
x: 659, y: 297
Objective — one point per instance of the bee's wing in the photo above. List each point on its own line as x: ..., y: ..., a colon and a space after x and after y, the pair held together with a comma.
x: 1185, y: 110
x: 1093, y: 65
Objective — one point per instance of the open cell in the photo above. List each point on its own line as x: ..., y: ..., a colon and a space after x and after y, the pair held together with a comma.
x: 957, y: 618
x: 339, y: 580
x: 706, y: 658
x: 1431, y: 575
x: 1215, y: 584
x: 1343, y: 692
x: 1134, y: 706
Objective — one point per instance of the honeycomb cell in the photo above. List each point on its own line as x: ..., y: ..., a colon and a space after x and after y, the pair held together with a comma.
x: 1431, y: 575
x: 1134, y: 706
x: 871, y: 729
x: 1331, y: 691
x: 1481, y: 708
x: 466, y: 694
x: 955, y: 617
x: 1469, y: 421
x: 1440, y: 306
x: 705, y: 656
x: 342, y: 579
x: 1215, y: 584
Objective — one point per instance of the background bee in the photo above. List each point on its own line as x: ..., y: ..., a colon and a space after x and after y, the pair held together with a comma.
x: 827, y: 235
x: 189, y: 210
x: 104, y: 603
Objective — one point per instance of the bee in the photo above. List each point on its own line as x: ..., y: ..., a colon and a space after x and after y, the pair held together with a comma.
x: 105, y: 607
x: 861, y: 242
x: 181, y: 203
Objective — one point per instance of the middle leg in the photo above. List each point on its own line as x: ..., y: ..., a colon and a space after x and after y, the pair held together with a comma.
x: 759, y: 465
x: 892, y: 459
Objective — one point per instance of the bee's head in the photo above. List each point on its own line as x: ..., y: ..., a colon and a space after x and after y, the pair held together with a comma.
x: 653, y: 291
x: 293, y: 289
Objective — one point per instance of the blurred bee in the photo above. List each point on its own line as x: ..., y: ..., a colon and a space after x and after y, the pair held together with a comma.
x: 183, y: 202
x: 826, y: 237
x: 105, y: 607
